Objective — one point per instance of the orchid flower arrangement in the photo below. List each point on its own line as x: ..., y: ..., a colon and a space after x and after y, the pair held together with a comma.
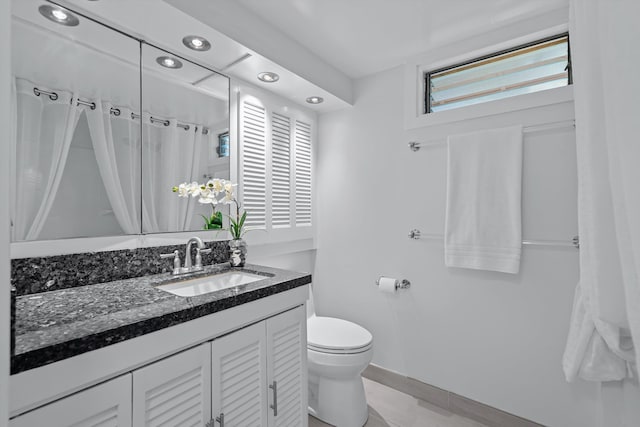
x: 214, y: 192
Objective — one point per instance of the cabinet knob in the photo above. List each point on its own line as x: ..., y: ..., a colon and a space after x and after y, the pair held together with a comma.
x: 274, y: 387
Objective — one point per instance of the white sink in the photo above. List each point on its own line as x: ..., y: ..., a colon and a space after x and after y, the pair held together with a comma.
x: 204, y: 285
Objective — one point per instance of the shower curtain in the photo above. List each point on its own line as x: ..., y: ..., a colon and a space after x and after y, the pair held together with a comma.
x: 605, y: 321
x: 116, y: 143
x: 43, y: 131
x: 171, y: 155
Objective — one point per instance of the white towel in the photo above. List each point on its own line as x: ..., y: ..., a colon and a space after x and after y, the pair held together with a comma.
x: 484, y: 187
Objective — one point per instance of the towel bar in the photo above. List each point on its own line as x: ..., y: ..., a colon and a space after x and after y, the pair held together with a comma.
x: 415, y: 146
x: 575, y: 241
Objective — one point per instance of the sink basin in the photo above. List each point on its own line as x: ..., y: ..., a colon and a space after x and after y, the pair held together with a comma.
x: 207, y: 284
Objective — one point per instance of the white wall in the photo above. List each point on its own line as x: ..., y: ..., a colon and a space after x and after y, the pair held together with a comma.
x: 492, y: 337
x: 5, y: 122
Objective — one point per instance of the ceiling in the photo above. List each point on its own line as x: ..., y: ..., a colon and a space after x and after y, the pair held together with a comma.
x: 317, y: 46
x: 361, y: 37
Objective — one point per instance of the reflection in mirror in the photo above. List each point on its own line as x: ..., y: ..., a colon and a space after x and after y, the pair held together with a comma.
x: 185, y: 128
x: 76, y: 146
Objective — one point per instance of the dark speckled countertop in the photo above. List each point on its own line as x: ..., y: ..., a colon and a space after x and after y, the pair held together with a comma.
x: 55, y: 325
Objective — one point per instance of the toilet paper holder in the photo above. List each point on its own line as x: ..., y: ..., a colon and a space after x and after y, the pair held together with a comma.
x: 400, y: 284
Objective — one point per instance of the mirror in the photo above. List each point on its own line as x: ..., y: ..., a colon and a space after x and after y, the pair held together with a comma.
x: 185, y: 136
x: 88, y: 159
x: 74, y: 157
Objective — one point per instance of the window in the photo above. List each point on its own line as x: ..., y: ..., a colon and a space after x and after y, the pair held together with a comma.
x: 545, y: 64
x: 276, y: 168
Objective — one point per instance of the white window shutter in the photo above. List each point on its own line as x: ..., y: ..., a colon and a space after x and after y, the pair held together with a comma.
x: 280, y: 171
x: 303, y: 173
x: 254, y: 164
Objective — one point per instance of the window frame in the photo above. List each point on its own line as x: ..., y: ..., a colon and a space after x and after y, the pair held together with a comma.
x: 426, y: 104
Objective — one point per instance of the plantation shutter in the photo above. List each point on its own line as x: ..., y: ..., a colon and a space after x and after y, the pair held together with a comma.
x: 303, y: 173
x: 280, y: 171
x: 275, y: 168
x: 254, y: 164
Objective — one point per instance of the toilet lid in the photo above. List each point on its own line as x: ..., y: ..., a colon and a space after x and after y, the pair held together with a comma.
x: 329, y: 334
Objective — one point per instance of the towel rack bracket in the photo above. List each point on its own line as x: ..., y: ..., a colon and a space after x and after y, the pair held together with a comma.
x: 414, y: 146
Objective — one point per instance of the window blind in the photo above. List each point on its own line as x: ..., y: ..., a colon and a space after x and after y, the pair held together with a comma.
x: 532, y: 68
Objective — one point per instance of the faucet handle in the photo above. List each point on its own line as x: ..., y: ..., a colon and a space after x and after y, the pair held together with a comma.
x: 176, y: 260
x: 199, y: 253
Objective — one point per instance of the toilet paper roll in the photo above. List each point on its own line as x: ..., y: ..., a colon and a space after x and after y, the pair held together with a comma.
x: 388, y: 284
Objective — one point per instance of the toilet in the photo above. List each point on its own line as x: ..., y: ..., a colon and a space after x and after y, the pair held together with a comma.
x: 337, y: 353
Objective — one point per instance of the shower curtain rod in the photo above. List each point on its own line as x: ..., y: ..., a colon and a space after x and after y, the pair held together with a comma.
x: 115, y: 111
x: 415, y: 146
x: 575, y: 241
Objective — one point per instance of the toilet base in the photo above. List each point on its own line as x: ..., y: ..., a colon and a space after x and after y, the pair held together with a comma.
x: 339, y: 402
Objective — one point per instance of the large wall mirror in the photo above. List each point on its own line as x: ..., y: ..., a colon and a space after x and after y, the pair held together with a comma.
x: 102, y: 130
x: 185, y: 138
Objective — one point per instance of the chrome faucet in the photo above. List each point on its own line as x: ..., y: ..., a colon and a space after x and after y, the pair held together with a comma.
x: 199, y: 249
x: 188, y: 266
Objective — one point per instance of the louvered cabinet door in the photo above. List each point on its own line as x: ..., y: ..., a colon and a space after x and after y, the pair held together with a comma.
x: 175, y: 391
x: 240, y: 378
x: 105, y: 405
x: 287, y: 368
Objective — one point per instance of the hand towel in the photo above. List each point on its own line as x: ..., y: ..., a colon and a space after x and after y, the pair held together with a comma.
x: 483, y: 226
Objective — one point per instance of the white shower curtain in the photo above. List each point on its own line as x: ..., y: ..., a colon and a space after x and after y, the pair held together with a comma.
x: 171, y: 155
x: 116, y: 143
x: 606, y: 313
x: 43, y: 132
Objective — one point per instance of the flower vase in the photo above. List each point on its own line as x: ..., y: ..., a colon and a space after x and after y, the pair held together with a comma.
x: 237, y: 252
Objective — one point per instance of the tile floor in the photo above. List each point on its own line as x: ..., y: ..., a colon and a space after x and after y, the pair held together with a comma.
x: 391, y: 408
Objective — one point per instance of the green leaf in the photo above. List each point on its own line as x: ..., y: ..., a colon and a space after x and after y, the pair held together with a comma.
x: 242, y: 219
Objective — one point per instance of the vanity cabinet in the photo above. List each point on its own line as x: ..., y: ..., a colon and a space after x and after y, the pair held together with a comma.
x: 246, y: 365
x: 106, y: 404
x: 287, y: 368
x: 254, y: 376
x: 260, y: 375
x: 175, y: 391
x: 239, y: 367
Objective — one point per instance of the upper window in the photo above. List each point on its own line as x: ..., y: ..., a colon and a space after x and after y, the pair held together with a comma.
x: 545, y: 64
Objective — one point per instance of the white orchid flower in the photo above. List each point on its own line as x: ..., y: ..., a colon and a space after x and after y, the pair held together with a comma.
x: 209, y: 199
x: 183, y: 190
x: 228, y: 186
x: 217, y: 185
x: 228, y: 197
x: 194, y: 189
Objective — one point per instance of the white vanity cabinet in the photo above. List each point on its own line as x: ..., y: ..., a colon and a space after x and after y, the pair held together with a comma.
x: 287, y: 368
x: 106, y: 404
x: 260, y: 373
x: 175, y: 391
x: 239, y: 367
x: 254, y: 376
x: 244, y: 366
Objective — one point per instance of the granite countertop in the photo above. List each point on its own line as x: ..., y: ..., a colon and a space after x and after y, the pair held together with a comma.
x: 55, y: 325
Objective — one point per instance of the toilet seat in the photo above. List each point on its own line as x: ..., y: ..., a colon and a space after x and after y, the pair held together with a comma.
x: 337, y: 336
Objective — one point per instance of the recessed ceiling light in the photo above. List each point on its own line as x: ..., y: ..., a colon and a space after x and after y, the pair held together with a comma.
x: 168, y: 62
x: 196, y: 43
x: 59, y: 15
x: 315, y: 100
x: 268, y: 77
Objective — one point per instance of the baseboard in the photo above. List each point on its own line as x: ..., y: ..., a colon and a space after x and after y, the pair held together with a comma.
x: 447, y: 400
